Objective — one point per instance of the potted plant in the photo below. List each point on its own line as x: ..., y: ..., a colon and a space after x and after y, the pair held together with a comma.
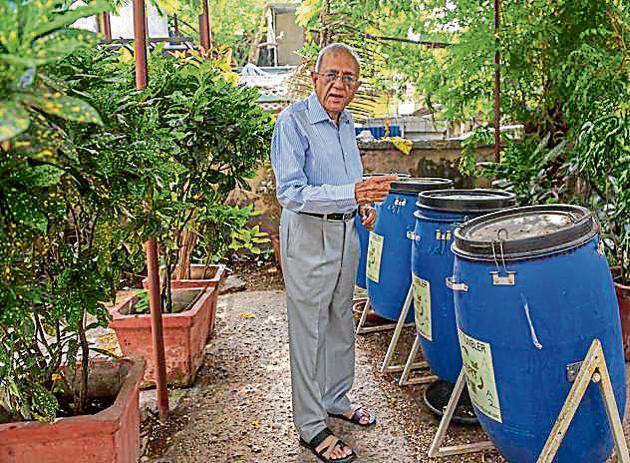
x: 603, y: 147
x: 220, y: 136
x: 56, y: 254
x: 109, y: 435
x: 190, y: 137
x: 185, y: 331
x: 267, y: 191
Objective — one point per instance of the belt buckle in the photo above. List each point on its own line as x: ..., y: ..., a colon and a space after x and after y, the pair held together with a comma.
x: 347, y: 216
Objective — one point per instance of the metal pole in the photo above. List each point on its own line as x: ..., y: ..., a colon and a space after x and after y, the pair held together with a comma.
x: 175, y: 25
x: 204, y: 27
x: 139, y: 22
x: 156, y: 327
x: 140, y: 35
x: 497, y: 83
x: 106, y: 26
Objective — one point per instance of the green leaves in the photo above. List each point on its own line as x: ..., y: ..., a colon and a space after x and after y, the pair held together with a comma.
x: 64, y: 19
x: 249, y: 239
x: 34, y: 34
x: 44, y: 176
x: 66, y: 107
x: 14, y: 119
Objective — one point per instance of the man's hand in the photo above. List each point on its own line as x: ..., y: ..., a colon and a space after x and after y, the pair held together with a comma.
x: 368, y: 217
x: 374, y: 189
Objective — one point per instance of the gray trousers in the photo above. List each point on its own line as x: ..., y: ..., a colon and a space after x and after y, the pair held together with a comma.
x: 319, y: 262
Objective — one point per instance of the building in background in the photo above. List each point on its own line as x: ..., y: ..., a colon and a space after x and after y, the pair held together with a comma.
x: 271, y: 82
x: 284, y: 36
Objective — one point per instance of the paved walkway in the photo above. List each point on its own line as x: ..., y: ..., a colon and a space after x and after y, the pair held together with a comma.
x: 240, y: 407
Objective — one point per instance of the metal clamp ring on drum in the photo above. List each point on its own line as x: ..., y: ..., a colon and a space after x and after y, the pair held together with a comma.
x: 412, y: 236
x: 450, y: 283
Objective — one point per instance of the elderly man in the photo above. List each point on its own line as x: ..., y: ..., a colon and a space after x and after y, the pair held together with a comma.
x: 318, y: 173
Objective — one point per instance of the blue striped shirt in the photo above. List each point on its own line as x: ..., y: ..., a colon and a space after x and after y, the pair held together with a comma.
x: 316, y: 163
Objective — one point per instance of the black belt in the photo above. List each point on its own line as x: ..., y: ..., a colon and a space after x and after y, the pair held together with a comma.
x: 336, y: 216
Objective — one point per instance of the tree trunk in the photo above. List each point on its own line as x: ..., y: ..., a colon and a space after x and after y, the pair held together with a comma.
x: 254, y: 51
x: 182, y: 270
x: 85, y: 357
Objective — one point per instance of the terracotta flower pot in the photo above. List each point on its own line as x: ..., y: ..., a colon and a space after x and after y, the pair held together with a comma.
x: 201, y: 276
x: 185, y: 335
x: 110, y: 436
x: 623, y: 296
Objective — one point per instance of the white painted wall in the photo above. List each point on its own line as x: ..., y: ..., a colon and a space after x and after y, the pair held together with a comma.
x: 122, y: 23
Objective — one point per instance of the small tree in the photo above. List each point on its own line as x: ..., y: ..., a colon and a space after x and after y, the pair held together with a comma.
x: 189, y: 138
x: 47, y: 250
x: 221, y: 135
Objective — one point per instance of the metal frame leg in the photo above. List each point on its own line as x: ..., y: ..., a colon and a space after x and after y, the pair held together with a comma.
x: 362, y: 329
x: 410, y: 365
x: 387, y: 367
x: 593, y: 369
x: 435, y: 450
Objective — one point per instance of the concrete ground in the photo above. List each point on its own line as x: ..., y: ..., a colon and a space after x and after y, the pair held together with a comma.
x: 239, y: 409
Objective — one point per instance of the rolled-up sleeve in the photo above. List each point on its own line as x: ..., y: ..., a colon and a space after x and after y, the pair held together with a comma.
x: 288, y: 157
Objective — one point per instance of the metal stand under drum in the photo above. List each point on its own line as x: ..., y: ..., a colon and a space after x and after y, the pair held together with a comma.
x: 387, y: 366
x: 436, y: 450
x: 592, y: 369
x: 362, y: 329
x: 409, y: 366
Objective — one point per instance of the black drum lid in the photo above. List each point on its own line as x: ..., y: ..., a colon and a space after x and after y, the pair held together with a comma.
x: 414, y: 185
x: 525, y: 232
x: 474, y: 201
x: 382, y: 174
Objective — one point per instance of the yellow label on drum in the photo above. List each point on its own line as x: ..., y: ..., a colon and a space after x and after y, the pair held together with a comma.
x: 482, y: 388
x: 422, y: 306
x: 375, y: 252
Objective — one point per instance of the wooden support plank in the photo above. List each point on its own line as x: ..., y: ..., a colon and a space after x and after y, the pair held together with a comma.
x: 593, y: 369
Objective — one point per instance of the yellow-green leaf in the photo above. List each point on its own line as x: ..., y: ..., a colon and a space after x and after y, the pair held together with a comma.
x: 66, y: 107
x: 14, y: 119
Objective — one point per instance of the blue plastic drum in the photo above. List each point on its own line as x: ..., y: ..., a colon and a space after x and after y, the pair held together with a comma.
x: 438, y: 214
x: 388, y: 267
x: 364, y: 238
x: 533, y: 289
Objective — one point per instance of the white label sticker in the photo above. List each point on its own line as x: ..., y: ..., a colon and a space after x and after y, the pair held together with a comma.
x: 422, y: 306
x: 482, y: 388
x: 375, y: 251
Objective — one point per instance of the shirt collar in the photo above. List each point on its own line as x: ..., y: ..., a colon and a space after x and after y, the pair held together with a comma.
x: 317, y: 113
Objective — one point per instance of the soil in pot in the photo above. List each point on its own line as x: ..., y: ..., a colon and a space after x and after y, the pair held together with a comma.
x: 183, y: 300
x: 92, y: 407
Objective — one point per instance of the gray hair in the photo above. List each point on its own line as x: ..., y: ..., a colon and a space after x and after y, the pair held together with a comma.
x: 336, y: 48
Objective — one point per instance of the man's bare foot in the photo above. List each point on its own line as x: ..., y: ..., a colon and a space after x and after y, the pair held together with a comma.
x: 339, y: 450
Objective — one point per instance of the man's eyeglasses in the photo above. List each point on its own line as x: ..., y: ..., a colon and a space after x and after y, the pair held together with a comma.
x: 346, y: 79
